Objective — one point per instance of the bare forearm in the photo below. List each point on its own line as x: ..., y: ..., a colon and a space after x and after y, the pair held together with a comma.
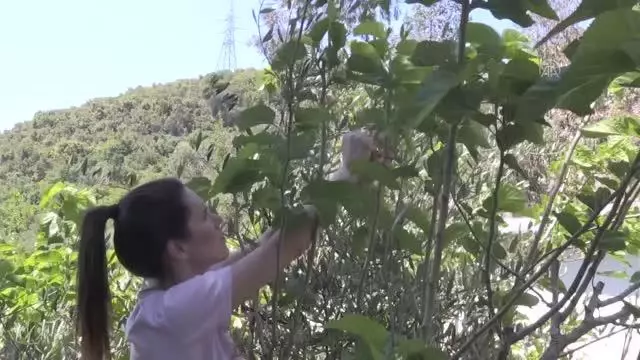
x: 234, y: 257
x: 262, y: 265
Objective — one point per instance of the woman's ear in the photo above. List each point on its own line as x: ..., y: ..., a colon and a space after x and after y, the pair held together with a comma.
x: 176, y: 250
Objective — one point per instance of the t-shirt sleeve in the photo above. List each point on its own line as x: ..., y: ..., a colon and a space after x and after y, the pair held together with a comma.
x: 201, y: 303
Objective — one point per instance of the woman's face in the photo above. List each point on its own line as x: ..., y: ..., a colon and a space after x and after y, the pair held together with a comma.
x: 206, y: 245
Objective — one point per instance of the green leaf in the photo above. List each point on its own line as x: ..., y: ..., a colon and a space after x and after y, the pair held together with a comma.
x: 431, y: 53
x: 620, y: 126
x: 418, y: 217
x: 6, y: 268
x: 512, y: 37
x: 267, y: 197
x: 542, y: 8
x: 470, y: 245
x: 569, y: 222
x: 588, y: 77
x: 514, y: 10
x: 360, y: 202
x: 606, y: 51
x: 613, y: 241
x: 311, y: 117
x: 364, y: 49
x: 518, y: 75
x: 635, y: 278
x: 370, y: 116
x: 371, y: 332
x: 433, y: 89
x: 51, y: 193
x: 512, y: 163
x: 513, y: 134
x: 498, y: 251
x: 370, y: 27
x: 473, y: 135
x: 434, y: 166
x: 255, y: 115
x: 251, y: 143
x: 326, y: 195
x: 545, y: 283
x: 527, y: 299
x: 201, y: 186
x: 616, y: 274
x: 287, y: 54
x: 595, y: 200
x: 407, y: 241
x: 522, y: 69
x: 359, y: 240
x: 510, y: 199
x: 485, y: 37
x: 417, y: 350
x: 337, y: 34
x: 318, y: 30
x: 239, y: 175
x: 586, y: 10
x: 367, y: 170
x: 407, y: 47
x: 612, y: 31
x: 405, y: 172
x: 578, y: 87
x: 300, y: 146
x: 619, y: 168
x: 537, y: 100
x: 628, y: 80
x: 364, y: 59
x: 455, y: 231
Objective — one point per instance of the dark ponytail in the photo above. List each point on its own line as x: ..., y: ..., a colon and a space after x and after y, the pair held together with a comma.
x: 93, y: 295
x: 144, y: 221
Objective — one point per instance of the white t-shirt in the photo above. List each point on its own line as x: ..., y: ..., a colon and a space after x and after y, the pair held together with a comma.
x: 189, y: 321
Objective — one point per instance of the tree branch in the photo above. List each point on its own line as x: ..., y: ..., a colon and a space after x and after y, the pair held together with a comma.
x: 620, y: 194
x: 434, y: 274
x: 531, y: 256
x: 492, y: 234
x: 569, y: 352
x: 493, y: 257
x: 543, y: 269
x: 563, y: 315
x: 589, y: 323
x: 620, y: 296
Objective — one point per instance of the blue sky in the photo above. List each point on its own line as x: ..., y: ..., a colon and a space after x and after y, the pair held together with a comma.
x: 58, y: 54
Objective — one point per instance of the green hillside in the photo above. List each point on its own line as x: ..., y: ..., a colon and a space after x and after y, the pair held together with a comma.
x: 143, y: 133
x: 507, y: 158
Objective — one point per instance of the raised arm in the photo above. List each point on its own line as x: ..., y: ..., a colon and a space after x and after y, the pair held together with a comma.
x: 261, y: 266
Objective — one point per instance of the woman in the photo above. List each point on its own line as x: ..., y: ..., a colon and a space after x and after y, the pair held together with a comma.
x: 164, y: 232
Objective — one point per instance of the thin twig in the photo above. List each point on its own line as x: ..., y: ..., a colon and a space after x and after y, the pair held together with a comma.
x: 285, y: 171
x: 492, y: 234
x: 570, y: 352
x: 531, y: 256
x: 620, y: 296
x: 436, y: 262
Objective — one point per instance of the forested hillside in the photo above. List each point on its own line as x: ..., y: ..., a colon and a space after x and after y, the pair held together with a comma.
x: 420, y: 259
x: 142, y: 134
